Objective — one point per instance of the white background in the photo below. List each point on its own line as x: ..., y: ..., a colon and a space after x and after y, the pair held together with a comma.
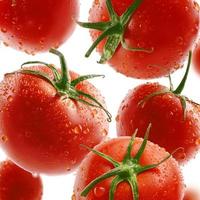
x: 114, y: 87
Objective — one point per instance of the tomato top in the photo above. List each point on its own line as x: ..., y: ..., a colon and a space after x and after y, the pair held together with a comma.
x: 143, y: 39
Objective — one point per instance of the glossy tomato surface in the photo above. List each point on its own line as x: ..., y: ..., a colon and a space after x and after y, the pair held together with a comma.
x: 35, y: 26
x: 169, y: 128
x: 196, y: 58
x: 17, y: 184
x: 167, y: 27
x: 42, y: 131
x: 163, y: 182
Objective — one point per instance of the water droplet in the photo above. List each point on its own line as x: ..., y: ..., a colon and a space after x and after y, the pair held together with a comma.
x: 96, y: 2
x: 197, y: 141
x: 4, y: 138
x: 117, y: 118
x: 3, y: 30
x: 76, y: 130
x: 196, y: 6
x: 99, y: 191
x: 35, y: 175
x: 105, y: 132
x: 10, y: 98
x: 94, y: 112
x: 73, y: 197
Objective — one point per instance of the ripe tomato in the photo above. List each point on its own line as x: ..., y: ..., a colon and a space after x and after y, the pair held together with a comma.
x: 196, y: 58
x: 191, y: 194
x: 35, y: 26
x: 170, y: 130
x: 43, y: 125
x: 16, y: 184
x: 165, y: 29
x: 175, y: 119
x: 162, y: 182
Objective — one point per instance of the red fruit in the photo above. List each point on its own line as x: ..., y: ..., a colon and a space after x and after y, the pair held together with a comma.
x: 196, y: 58
x: 173, y: 125
x: 44, y: 120
x: 161, y: 33
x: 17, y: 184
x: 119, y: 168
x: 34, y: 25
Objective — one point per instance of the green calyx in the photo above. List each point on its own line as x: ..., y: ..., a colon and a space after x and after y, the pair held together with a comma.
x: 114, y: 31
x: 127, y: 170
x: 63, y: 84
x: 177, y: 92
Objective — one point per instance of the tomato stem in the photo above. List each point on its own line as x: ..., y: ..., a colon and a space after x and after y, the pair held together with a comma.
x: 113, y: 31
x: 127, y: 170
x: 63, y: 84
x: 65, y: 76
x: 181, y: 86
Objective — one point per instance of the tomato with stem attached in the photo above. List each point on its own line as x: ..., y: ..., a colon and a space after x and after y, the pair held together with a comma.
x: 175, y: 118
x: 45, y: 115
x: 127, y: 169
x: 18, y: 184
x: 143, y: 38
x: 36, y: 26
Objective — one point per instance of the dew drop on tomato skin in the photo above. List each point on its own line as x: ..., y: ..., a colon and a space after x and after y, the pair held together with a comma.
x: 99, y: 191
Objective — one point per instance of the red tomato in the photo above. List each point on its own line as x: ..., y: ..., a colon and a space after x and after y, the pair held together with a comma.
x: 162, y: 182
x: 42, y: 130
x: 196, y: 58
x: 35, y: 26
x: 169, y: 128
x: 191, y: 194
x: 168, y: 28
x: 17, y: 184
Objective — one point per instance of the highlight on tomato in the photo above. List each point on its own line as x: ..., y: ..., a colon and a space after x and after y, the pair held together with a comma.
x: 18, y: 184
x: 143, y: 38
x: 175, y: 118
x: 129, y: 168
x: 46, y: 113
x: 36, y: 26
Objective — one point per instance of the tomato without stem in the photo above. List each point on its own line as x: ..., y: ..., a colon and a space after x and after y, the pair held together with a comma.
x: 43, y: 125
x: 162, y: 182
x: 35, y: 26
x: 160, y: 34
x: 17, y: 184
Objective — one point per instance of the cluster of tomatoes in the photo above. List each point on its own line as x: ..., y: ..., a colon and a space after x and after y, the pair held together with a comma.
x: 53, y: 121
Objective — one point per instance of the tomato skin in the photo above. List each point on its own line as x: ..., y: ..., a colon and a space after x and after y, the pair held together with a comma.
x: 196, y: 58
x: 42, y: 133
x: 36, y: 26
x: 165, y: 112
x: 164, y: 182
x: 17, y: 184
x: 164, y: 26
